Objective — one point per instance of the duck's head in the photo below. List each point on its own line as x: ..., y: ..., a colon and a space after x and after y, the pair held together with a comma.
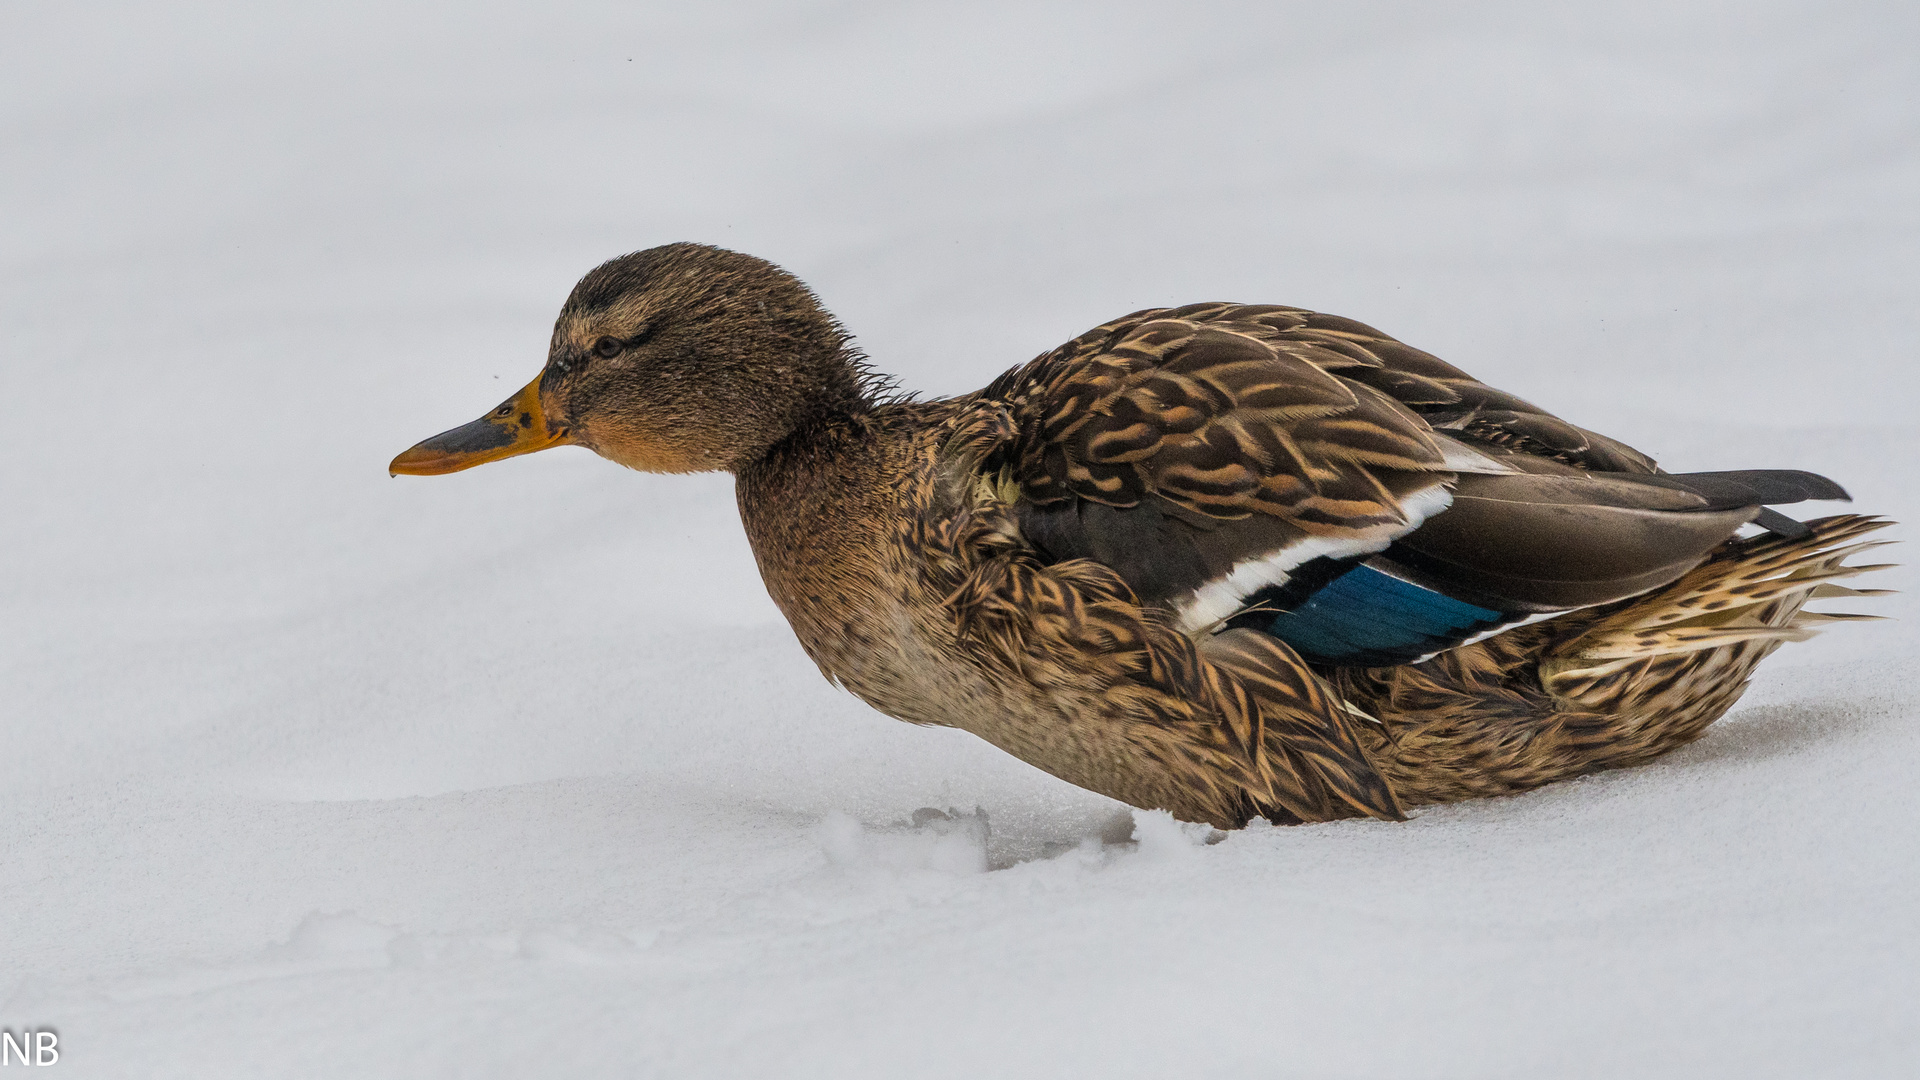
x: 683, y: 358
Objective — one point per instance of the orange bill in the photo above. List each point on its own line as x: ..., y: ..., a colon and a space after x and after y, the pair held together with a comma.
x: 516, y: 427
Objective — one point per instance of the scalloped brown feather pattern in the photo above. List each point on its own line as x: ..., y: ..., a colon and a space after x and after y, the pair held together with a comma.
x: 1233, y: 410
x: 1217, y: 410
x: 1223, y: 730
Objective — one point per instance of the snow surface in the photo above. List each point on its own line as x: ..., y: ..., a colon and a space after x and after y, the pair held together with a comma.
x: 513, y: 773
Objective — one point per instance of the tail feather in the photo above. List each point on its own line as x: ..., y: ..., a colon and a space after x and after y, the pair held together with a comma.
x: 1754, y: 487
x: 1833, y: 592
x: 1838, y: 616
x: 1752, y: 593
x: 1603, y: 688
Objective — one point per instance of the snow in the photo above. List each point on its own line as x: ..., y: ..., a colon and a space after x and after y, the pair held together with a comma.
x: 517, y: 772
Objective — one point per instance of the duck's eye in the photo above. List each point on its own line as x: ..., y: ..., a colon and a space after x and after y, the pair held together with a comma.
x: 607, y: 347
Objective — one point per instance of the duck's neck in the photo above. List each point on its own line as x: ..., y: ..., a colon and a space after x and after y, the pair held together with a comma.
x: 826, y: 512
x: 804, y: 468
x: 814, y: 507
x: 803, y: 418
x: 847, y: 389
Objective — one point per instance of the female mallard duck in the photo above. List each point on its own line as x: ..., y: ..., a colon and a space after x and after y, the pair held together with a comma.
x: 1232, y: 561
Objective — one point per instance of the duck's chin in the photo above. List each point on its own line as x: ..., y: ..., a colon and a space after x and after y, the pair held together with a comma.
x: 652, y: 455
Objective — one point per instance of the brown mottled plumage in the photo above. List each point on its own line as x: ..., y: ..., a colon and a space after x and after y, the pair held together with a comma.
x: 1069, y: 562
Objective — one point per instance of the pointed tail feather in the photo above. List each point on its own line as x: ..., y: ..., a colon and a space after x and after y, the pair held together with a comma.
x: 1753, y: 487
x: 1748, y: 597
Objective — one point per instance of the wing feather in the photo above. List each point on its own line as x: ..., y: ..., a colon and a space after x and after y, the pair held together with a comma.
x: 1233, y: 441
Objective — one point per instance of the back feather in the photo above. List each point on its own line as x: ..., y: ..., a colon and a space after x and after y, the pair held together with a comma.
x: 1227, y: 460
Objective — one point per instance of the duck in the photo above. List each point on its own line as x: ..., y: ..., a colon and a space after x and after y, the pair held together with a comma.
x: 1231, y: 561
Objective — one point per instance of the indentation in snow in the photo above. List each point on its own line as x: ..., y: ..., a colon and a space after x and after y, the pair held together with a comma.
x: 951, y: 842
x: 946, y: 841
x: 327, y: 936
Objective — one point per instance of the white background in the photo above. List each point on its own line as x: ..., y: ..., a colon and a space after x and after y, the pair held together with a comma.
x: 307, y: 771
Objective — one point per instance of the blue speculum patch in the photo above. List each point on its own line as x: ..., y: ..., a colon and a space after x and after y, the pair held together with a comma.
x: 1369, y: 617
